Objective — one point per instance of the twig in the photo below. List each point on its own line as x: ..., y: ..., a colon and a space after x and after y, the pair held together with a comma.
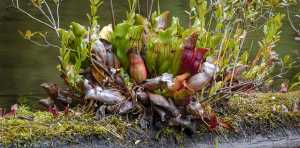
x: 237, y: 58
x: 151, y: 7
x: 228, y: 94
x: 291, y: 22
x: 236, y: 86
x: 147, y: 7
x: 222, y: 44
x: 53, y: 24
x: 226, y: 90
x: 57, y: 14
x: 44, y: 13
x: 44, y: 45
x: 32, y: 17
x: 112, y: 13
x: 51, y: 15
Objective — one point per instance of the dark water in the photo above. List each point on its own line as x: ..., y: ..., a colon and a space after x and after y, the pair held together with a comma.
x: 24, y: 66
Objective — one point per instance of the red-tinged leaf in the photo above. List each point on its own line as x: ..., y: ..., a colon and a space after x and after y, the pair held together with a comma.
x: 213, y: 123
x: 192, y: 60
x: 66, y: 111
x: 225, y: 124
x: 9, y: 114
x: 190, y: 42
x: 12, y: 113
x: 192, y: 57
x: 53, y: 111
x: 50, y: 109
x: 182, y: 96
x: 14, y: 108
x: 179, y: 82
x: 138, y: 71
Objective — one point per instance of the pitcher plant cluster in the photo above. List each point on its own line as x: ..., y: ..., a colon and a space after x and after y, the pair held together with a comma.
x: 157, y: 70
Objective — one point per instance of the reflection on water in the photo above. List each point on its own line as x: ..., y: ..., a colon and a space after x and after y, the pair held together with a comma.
x: 24, y: 66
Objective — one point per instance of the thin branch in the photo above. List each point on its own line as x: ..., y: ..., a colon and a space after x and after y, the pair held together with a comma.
x: 147, y: 7
x: 44, y: 13
x: 150, y: 10
x: 43, y: 44
x: 237, y: 58
x: 112, y: 13
x: 34, y: 18
x: 51, y: 15
x: 52, y: 24
x: 291, y: 22
x: 57, y: 13
x: 222, y: 43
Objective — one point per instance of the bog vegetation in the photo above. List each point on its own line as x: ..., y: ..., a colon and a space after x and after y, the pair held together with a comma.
x: 158, y: 72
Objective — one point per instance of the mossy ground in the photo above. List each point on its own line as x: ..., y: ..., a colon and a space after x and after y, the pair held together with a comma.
x: 263, y: 112
x: 251, y: 113
x: 45, y: 126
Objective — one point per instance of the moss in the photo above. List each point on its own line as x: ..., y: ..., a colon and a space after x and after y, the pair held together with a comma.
x: 263, y: 112
x: 45, y: 126
x: 169, y: 132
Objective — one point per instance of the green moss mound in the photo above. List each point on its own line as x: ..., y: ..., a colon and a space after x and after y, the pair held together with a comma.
x: 44, y: 126
x: 264, y: 112
x: 254, y: 113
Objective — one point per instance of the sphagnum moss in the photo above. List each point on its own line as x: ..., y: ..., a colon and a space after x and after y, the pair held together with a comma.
x: 261, y: 112
x: 44, y: 125
x: 264, y: 111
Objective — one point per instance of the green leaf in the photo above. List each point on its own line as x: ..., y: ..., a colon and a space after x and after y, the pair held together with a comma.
x: 78, y: 29
x: 120, y: 42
